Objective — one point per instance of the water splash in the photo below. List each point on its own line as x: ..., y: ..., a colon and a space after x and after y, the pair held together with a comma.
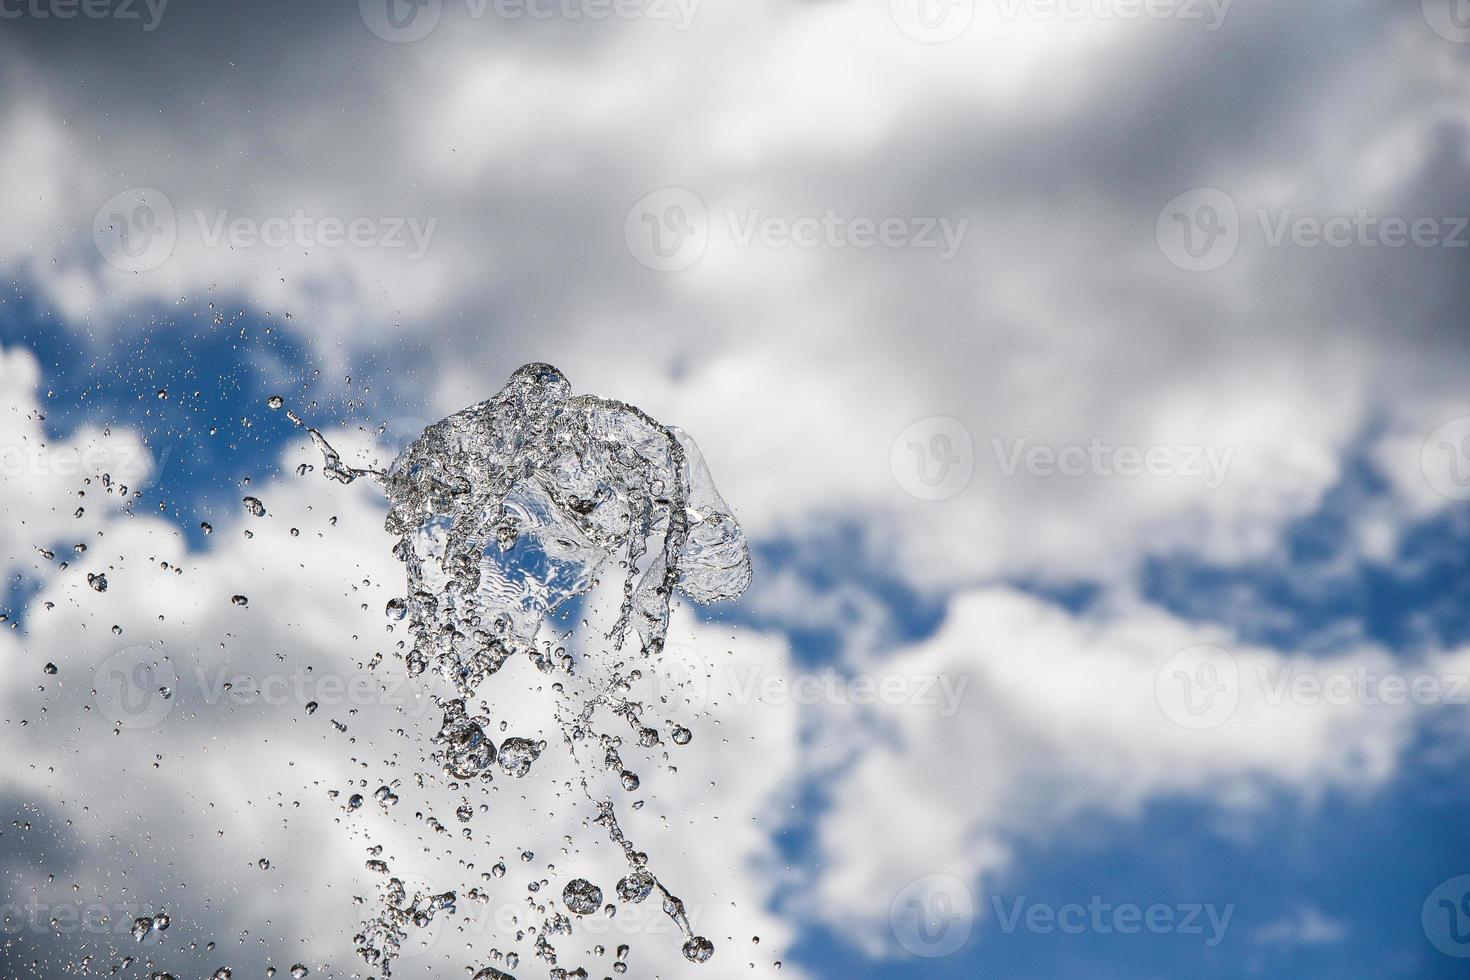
x: 505, y: 513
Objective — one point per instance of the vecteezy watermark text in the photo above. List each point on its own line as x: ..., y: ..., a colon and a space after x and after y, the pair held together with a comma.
x: 404, y: 21
x: 1211, y: 13
x: 126, y: 464
x: 139, y: 686
x: 301, y: 229
x: 149, y: 13
x: 1209, y: 464
x: 934, y: 459
x: 67, y: 918
x: 1202, y: 686
x: 1201, y: 230
x: 670, y: 229
x: 137, y: 230
x: 684, y: 676
x: 938, y: 691
x: 933, y: 917
x: 1104, y: 918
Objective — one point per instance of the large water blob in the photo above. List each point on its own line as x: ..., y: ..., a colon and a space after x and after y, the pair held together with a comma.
x: 505, y: 513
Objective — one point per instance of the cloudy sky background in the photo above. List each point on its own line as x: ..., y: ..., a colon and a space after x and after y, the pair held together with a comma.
x: 545, y: 166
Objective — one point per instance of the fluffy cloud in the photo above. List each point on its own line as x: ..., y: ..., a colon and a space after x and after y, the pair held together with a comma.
x: 1058, y: 325
x: 1066, y: 717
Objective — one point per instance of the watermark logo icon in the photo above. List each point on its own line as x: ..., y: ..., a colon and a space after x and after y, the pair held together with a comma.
x: 1446, y: 917
x: 1450, y: 19
x: 934, y: 458
x: 1199, y: 230
x: 134, y: 687
x: 933, y: 916
x: 136, y: 229
x: 1445, y: 459
x: 401, y: 21
x: 668, y: 230
x: 1198, y: 687
x: 932, y: 21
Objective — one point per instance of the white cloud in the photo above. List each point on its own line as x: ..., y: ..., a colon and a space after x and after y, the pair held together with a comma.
x: 1062, y: 721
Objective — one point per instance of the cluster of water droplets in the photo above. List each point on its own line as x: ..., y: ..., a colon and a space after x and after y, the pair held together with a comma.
x: 505, y: 513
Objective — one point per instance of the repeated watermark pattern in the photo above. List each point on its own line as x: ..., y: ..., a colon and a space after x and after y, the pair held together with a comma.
x: 147, y: 14
x: 934, y: 916
x: 940, y: 21
x: 67, y: 918
x: 685, y: 677
x: 934, y: 459
x: 1450, y: 19
x: 1102, y: 917
x: 1210, y: 14
x: 405, y: 21
x: 1201, y: 687
x: 128, y: 464
x: 1207, y: 464
x: 138, y: 687
x: 669, y: 230
x: 1446, y: 917
x: 137, y: 230
x: 1201, y: 230
x: 939, y: 692
x: 1445, y: 459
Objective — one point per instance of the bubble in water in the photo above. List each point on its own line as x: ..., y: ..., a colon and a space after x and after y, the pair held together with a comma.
x: 275, y: 401
x: 253, y: 506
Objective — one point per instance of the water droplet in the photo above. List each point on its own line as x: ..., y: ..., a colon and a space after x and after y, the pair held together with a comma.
x: 699, y: 950
x: 636, y: 886
x: 582, y: 896
x: 517, y: 754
